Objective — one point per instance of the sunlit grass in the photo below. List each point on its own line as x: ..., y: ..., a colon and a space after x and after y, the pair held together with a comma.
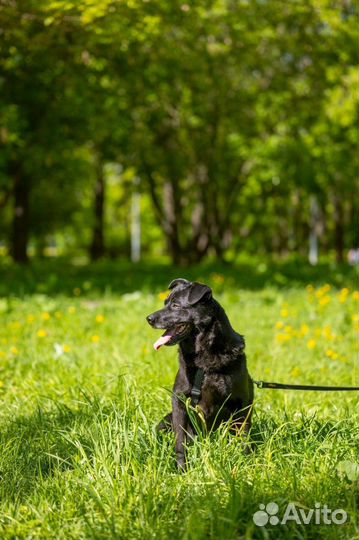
x: 82, y: 389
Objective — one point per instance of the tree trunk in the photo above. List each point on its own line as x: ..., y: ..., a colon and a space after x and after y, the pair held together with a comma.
x: 97, y: 249
x: 339, y: 229
x: 20, y: 226
x: 172, y: 212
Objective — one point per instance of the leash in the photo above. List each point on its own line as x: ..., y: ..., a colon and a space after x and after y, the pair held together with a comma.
x: 196, y: 390
x: 280, y: 386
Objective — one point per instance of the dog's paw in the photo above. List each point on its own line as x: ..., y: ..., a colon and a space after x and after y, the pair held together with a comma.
x: 181, y: 464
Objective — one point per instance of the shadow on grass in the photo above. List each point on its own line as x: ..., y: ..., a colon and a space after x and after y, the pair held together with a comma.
x: 58, y: 276
x: 34, y: 447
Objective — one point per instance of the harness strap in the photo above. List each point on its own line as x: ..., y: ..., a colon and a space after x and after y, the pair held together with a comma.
x: 197, y: 387
x: 280, y: 386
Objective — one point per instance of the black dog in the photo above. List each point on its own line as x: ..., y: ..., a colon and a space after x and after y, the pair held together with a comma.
x: 213, y: 369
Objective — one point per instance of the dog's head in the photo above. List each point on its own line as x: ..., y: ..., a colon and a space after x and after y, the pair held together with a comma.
x: 188, y: 307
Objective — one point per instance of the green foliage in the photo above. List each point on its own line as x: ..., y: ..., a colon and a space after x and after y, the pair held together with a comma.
x: 231, y: 113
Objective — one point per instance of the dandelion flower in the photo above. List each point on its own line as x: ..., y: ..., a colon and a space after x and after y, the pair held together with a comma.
x: 95, y: 339
x: 279, y: 325
x: 284, y: 312
x: 282, y: 338
x: 14, y: 351
x: 356, y: 295
x: 100, y: 318
x: 30, y: 319
x: 295, y: 372
x: 162, y: 295
x: 72, y: 310
x: 324, y: 300
x: 41, y: 333
x: 304, y: 329
x: 66, y: 348
x: 46, y: 316
x: 311, y: 344
x: 343, y: 295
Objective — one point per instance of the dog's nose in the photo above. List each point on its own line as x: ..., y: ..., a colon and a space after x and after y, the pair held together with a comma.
x: 150, y: 319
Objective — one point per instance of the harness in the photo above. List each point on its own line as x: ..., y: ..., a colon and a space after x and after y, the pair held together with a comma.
x: 196, y: 390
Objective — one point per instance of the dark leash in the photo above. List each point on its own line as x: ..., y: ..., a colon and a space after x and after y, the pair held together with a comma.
x: 280, y: 386
x: 199, y: 376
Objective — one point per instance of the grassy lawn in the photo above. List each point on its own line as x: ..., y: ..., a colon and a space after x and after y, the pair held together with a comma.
x: 82, y: 389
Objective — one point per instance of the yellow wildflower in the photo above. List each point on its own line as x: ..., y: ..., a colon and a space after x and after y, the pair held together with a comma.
x: 72, y: 310
x: 14, y: 351
x: 30, y: 319
x: 100, y: 318
x: 41, y: 333
x: 324, y: 300
x: 284, y: 312
x: 304, y: 329
x: 2, y: 354
x: 162, y: 295
x: 95, y: 339
x: 356, y: 295
x: 282, y: 338
x: 46, y: 316
x: 343, y: 295
x: 295, y: 372
x: 327, y: 333
x: 66, y: 348
x: 279, y: 325
x: 1, y: 384
x: 320, y: 292
x: 311, y: 344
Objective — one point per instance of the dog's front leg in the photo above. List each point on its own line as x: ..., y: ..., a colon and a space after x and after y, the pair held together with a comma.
x: 179, y: 422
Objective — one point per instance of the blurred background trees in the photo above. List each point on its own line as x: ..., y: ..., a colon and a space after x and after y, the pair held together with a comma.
x: 237, y: 121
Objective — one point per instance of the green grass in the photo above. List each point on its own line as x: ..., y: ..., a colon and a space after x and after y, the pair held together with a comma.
x: 82, y: 389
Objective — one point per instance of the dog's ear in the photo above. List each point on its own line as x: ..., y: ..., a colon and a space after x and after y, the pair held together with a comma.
x: 199, y: 292
x: 178, y: 281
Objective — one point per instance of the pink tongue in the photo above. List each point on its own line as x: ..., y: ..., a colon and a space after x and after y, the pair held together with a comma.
x: 161, y: 341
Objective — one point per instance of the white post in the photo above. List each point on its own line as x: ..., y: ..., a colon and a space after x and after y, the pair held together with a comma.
x: 136, y: 222
x: 313, y: 235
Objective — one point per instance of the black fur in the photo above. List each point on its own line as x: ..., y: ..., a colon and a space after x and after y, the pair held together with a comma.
x: 208, y: 342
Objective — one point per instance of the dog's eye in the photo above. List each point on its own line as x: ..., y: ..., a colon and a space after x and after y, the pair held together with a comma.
x: 176, y: 306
